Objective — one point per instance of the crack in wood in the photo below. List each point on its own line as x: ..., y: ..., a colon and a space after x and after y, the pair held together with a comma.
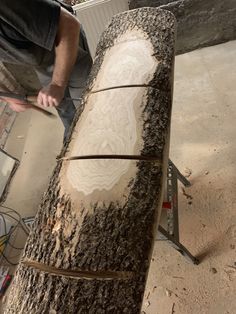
x: 121, y: 86
x: 80, y: 274
x: 128, y: 157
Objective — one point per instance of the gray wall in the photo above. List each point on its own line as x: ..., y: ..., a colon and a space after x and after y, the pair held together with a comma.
x: 200, y: 22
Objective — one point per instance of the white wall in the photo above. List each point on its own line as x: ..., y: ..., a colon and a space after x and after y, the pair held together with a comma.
x: 94, y: 16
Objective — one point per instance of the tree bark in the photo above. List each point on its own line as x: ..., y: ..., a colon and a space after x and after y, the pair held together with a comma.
x: 201, y: 23
x: 90, y: 247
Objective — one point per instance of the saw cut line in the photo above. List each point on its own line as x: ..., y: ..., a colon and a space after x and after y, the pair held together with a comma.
x: 128, y: 157
x: 80, y: 274
x: 121, y: 86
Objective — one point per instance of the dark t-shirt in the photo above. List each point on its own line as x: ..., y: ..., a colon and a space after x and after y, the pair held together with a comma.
x: 28, y: 30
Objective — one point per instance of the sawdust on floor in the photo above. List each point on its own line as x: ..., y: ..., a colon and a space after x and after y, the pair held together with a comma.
x: 203, y: 147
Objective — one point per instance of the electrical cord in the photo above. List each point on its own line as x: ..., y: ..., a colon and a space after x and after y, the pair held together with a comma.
x: 9, y: 234
x: 7, y: 260
x: 6, y: 240
x: 24, y: 227
x: 4, y: 222
x: 26, y: 230
x: 14, y: 247
x: 2, y: 240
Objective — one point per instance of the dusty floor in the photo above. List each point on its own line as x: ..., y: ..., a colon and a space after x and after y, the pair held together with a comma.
x: 203, y: 143
x: 35, y: 140
x: 202, y: 140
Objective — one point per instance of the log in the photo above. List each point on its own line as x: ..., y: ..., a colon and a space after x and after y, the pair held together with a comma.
x: 91, y: 244
x: 201, y: 23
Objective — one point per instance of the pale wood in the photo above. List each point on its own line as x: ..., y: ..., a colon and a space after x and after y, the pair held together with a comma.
x: 90, y: 248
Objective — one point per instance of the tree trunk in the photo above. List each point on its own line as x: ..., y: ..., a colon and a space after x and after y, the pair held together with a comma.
x: 201, y: 23
x: 90, y: 247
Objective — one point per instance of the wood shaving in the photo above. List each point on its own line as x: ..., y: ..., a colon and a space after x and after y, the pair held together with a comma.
x: 188, y: 196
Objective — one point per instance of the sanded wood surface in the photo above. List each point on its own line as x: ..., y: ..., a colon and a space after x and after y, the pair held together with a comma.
x: 90, y: 248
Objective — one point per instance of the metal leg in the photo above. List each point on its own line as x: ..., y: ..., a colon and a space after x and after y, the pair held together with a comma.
x: 178, y: 246
x: 180, y: 177
x: 172, y: 196
x: 172, y: 232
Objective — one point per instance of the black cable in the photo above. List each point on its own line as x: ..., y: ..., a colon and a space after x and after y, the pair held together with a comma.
x: 7, y: 260
x: 12, y: 230
x: 2, y: 240
x: 5, y: 236
x: 4, y: 222
x: 11, y: 209
x: 7, y: 241
x: 8, y: 236
x: 14, y: 247
x: 7, y: 214
x: 25, y: 229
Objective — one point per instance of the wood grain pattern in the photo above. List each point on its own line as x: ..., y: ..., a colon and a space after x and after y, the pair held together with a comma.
x: 98, y: 216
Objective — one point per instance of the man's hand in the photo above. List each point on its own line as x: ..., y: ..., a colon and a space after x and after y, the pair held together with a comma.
x: 51, y: 95
x: 66, y: 49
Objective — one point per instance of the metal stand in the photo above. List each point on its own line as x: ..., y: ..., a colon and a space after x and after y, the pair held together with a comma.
x: 172, y: 232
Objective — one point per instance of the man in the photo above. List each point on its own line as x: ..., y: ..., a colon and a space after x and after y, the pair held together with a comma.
x: 45, y: 35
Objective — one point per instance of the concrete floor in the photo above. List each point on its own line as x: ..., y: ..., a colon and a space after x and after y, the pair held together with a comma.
x: 203, y: 143
x: 35, y: 140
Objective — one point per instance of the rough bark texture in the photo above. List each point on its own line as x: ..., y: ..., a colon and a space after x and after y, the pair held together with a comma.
x: 90, y: 256
x: 200, y: 22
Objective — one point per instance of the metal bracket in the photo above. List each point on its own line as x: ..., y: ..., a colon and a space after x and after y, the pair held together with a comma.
x: 172, y: 232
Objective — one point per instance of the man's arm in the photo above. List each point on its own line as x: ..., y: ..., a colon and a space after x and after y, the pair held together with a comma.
x: 67, y: 42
